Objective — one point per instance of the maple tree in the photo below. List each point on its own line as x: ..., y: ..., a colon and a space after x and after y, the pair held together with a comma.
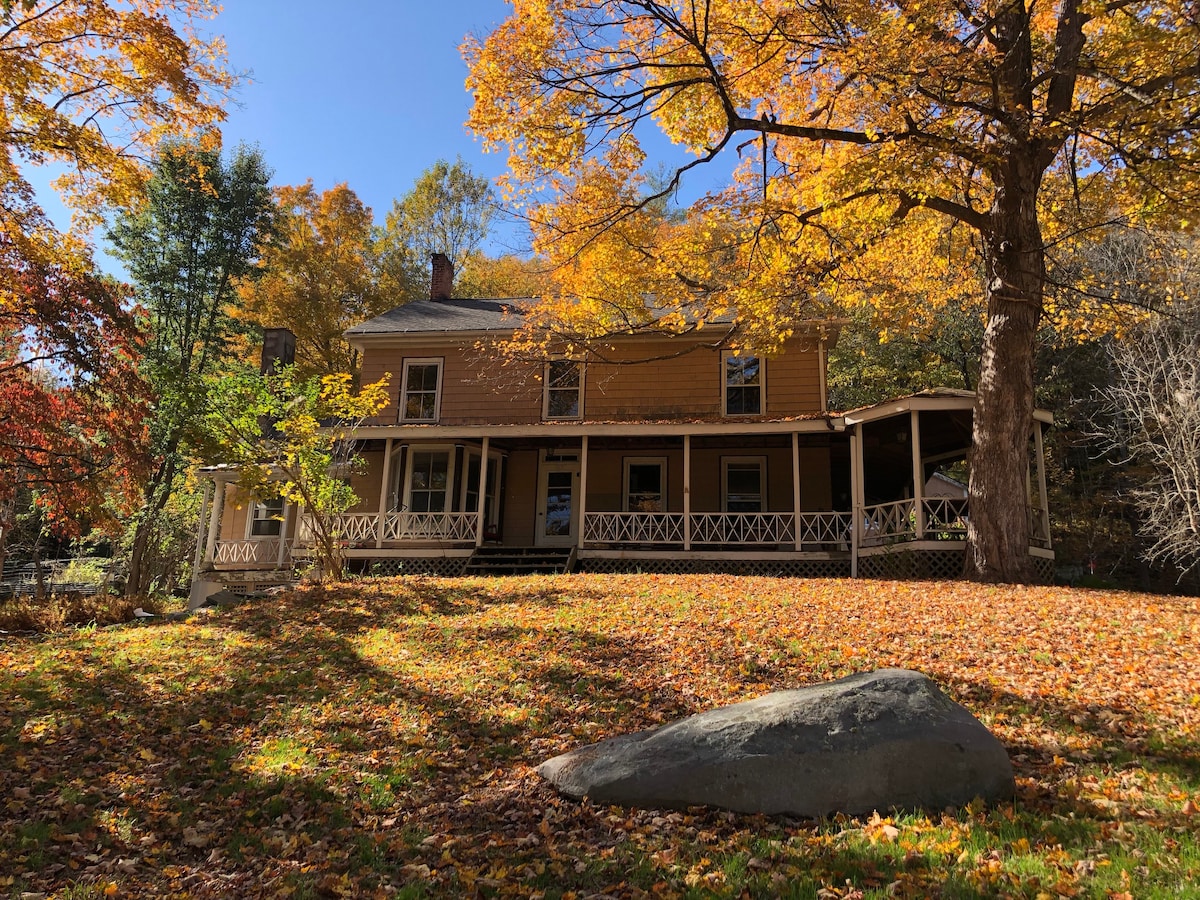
x: 73, y: 407
x: 200, y: 231
x: 96, y: 85
x: 293, y: 438
x: 91, y: 86
x: 318, y: 277
x: 894, y: 155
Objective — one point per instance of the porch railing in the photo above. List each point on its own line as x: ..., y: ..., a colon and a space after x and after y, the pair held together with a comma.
x: 353, y: 528
x: 945, y: 518
x: 430, y: 526
x: 743, y: 528
x: 826, y: 528
x: 816, y: 528
x: 256, y: 552
x: 885, y: 523
x: 633, y: 528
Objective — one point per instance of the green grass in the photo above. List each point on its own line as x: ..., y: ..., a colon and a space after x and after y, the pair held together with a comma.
x: 381, y: 739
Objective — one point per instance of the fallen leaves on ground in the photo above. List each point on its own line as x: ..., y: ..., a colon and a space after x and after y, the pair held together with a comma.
x: 380, y: 739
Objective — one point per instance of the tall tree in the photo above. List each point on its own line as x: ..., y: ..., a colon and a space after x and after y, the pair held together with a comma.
x: 449, y: 210
x: 318, y: 276
x: 891, y: 152
x: 92, y: 85
x: 72, y: 404
x: 199, y: 232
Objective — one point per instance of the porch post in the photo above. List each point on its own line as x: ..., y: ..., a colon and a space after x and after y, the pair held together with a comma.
x: 381, y: 522
x: 856, y: 497
x: 796, y: 490
x: 283, y: 532
x: 687, y: 493
x: 918, y: 470
x: 583, y: 473
x: 200, y: 530
x: 214, y: 524
x: 1041, y: 475
x: 483, y: 488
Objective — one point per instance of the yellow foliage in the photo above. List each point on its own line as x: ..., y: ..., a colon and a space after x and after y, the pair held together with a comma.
x: 97, y: 84
x: 878, y: 145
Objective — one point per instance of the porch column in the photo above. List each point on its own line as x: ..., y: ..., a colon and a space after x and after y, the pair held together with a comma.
x: 583, y: 473
x: 480, y: 516
x: 1041, y: 476
x: 918, y: 469
x: 856, y: 497
x: 214, y: 524
x: 687, y: 492
x: 796, y: 489
x: 200, y: 530
x: 381, y: 522
x: 283, y: 534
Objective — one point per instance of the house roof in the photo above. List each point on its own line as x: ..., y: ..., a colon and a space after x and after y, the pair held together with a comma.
x: 432, y: 316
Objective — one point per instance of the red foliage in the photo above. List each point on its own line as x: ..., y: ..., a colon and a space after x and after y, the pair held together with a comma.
x: 73, y: 407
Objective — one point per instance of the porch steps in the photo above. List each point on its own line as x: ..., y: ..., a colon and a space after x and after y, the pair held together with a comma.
x: 520, y: 561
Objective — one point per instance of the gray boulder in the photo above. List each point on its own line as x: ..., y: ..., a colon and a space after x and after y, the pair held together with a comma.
x: 880, y: 740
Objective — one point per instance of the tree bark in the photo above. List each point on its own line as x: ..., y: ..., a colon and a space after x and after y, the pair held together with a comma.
x: 998, y: 539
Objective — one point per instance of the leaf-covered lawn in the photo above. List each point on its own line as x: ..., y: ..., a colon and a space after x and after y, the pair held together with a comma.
x: 379, y: 739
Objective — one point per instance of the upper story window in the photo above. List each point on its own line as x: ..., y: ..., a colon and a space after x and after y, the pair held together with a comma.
x: 420, y: 394
x: 266, y: 518
x: 564, y: 390
x: 743, y: 385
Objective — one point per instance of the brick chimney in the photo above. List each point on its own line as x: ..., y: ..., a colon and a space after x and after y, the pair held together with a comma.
x: 441, y: 285
x: 279, y: 347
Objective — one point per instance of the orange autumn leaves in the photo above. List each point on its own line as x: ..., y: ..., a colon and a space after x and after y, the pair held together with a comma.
x: 367, y: 738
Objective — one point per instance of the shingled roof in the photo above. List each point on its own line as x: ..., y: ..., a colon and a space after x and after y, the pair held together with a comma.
x: 445, y: 316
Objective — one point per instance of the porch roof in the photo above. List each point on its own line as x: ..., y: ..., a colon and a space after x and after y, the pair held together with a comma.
x: 934, y: 398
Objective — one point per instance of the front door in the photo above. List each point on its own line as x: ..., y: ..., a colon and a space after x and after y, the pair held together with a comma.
x: 557, y: 512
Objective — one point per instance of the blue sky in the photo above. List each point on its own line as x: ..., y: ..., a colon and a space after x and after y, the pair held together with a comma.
x: 370, y: 93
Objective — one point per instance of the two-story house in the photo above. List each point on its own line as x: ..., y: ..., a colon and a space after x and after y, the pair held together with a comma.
x: 664, y: 455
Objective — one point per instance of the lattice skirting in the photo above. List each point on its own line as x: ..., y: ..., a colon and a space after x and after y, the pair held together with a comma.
x: 442, y: 566
x: 931, y: 565
x: 1044, y: 569
x: 781, y: 568
x: 934, y: 565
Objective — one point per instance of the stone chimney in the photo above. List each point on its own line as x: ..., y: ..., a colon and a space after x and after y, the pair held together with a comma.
x: 441, y: 285
x: 279, y: 347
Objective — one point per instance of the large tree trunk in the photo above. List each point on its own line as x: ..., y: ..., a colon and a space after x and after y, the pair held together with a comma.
x: 998, y: 529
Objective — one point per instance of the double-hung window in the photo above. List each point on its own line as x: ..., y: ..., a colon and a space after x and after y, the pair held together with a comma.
x: 420, y: 394
x: 563, y: 399
x: 266, y: 518
x: 743, y: 483
x: 645, y: 483
x: 742, y: 388
x: 429, y: 480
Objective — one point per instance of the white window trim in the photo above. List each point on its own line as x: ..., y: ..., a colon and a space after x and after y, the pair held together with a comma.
x: 761, y: 461
x: 726, y: 355
x: 546, y: 392
x: 251, y: 519
x: 413, y: 449
x: 661, y: 462
x: 462, y: 499
x: 402, y: 401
